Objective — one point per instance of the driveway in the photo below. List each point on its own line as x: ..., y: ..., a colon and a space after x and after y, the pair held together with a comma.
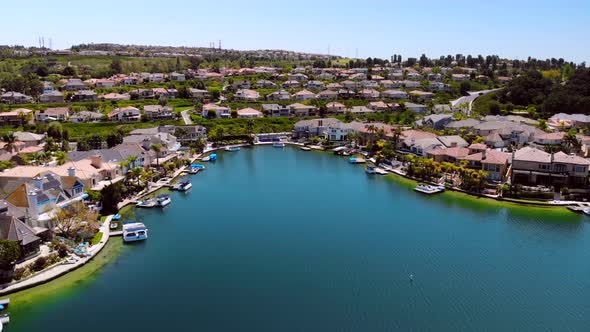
x: 186, y: 117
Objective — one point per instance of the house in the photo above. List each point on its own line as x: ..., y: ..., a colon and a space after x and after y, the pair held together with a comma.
x: 389, y: 84
x: 346, y: 94
x: 555, y: 138
x: 199, y: 93
x: 15, y: 98
x: 249, y: 113
x: 327, y: 95
x: 325, y: 76
x: 104, y: 83
x: 275, y: 110
x: 410, y: 84
x: 156, y: 78
x: 12, y: 229
x: 246, y: 94
x: 494, y: 163
x: 366, y: 84
x: 360, y: 110
x: 438, y: 86
x: 142, y: 94
x: 334, y: 86
x: 217, y: 110
x: 350, y: 84
x: 187, y: 134
x: 158, y: 112
x: 86, y: 116
x: 242, y: 85
x: 298, y: 77
x: 168, y: 142
x: 84, y: 96
x: 281, y: 95
x: 177, y: 77
x: 115, y: 96
x: 435, y: 121
x: 117, y: 154
x: 409, y: 137
x: 335, y: 108
x: 315, y: 85
x: 125, y: 114
x: 531, y: 166
x: 265, y: 84
x: 313, y: 127
x: 74, y: 84
x: 441, y: 108
x: 563, y: 121
x: 460, y: 77
x: 290, y: 84
x: 52, y: 114
x: 466, y: 124
x: 302, y: 110
x: 163, y: 93
x: 304, y: 95
x: 16, y: 117
x: 394, y: 94
x: 339, y: 131
x: 494, y: 140
x: 370, y: 94
x: 29, y: 139
x: 378, y: 106
x: 451, y: 141
x: 53, y: 96
x: 449, y: 154
x: 418, y: 108
x: 421, y: 96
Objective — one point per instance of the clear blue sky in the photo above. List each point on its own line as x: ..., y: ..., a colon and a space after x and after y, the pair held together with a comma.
x: 376, y: 28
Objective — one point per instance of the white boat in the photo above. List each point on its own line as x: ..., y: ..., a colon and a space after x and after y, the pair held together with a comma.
x: 206, y: 159
x: 586, y: 211
x: 134, y: 231
x: 183, y: 186
x: 232, y: 148
x: 370, y: 169
x: 278, y: 145
x: 305, y: 148
x: 163, y: 200
x: 429, y: 189
x: 380, y: 171
x: 147, y: 203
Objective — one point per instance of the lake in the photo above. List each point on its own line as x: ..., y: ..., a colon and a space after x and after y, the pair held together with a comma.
x: 284, y: 240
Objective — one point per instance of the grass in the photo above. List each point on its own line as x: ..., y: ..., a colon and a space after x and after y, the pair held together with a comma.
x: 237, y: 127
x: 78, y: 130
x: 97, y: 238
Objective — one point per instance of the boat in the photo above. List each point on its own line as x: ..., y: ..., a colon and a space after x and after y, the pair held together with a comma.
x: 163, y: 200
x: 134, y: 231
x: 206, y: 159
x: 147, y: 203
x: 232, y: 148
x: 429, y: 189
x: 278, y: 145
x: 305, y: 148
x: 586, y: 211
x: 370, y: 169
x: 354, y: 160
x: 213, y: 157
x: 116, y: 217
x: 114, y: 225
x: 183, y: 186
x: 195, y: 168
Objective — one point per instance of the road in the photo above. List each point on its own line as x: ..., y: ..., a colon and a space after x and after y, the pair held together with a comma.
x: 470, y: 99
x: 186, y: 117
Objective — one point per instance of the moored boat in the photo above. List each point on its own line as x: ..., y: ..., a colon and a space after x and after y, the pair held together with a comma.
x: 163, y: 200
x: 370, y: 169
x: 147, y: 203
x: 429, y: 189
x: 586, y: 211
x: 354, y: 160
x: 232, y: 148
x: 305, y: 148
x: 113, y: 225
x: 134, y: 231
x: 278, y: 145
x: 183, y: 186
x: 213, y: 157
x: 195, y: 168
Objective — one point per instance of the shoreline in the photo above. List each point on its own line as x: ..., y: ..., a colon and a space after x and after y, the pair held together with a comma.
x: 127, y: 209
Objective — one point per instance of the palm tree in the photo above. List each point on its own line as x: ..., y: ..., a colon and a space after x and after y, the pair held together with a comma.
x: 136, y: 173
x: 157, y: 149
x: 570, y: 141
x: 10, y: 140
x: 61, y: 157
x: 132, y: 160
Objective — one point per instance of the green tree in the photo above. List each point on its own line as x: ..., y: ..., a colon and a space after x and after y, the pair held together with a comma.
x: 157, y: 148
x: 9, y: 254
x: 10, y: 139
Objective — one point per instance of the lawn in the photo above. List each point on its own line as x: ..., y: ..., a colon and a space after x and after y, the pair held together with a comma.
x: 97, y: 238
x: 78, y: 130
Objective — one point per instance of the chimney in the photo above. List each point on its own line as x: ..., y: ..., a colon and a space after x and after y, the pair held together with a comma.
x: 453, y: 144
x: 38, y: 182
x: 483, y: 155
x: 96, y: 161
x: 71, y: 171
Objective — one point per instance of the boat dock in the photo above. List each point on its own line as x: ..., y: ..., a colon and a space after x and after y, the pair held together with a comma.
x: 116, y: 233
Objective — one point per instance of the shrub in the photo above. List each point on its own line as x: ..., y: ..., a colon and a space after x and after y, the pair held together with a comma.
x: 39, y: 264
x: 19, y: 273
x: 62, y: 250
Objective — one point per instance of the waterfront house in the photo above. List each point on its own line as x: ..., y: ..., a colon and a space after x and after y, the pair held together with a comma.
x: 53, y: 96
x: 125, y: 114
x: 13, y: 229
x: 450, y: 154
x: 494, y: 163
x: 249, y: 113
x: 531, y: 166
x: 313, y: 127
x: 409, y: 139
x: 52, y: 114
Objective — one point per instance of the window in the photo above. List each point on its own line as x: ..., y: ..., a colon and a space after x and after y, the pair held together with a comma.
x: 580, y: 169
x: 560, y: 168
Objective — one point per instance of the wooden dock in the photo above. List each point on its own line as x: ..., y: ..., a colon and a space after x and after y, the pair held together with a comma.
x: 116, y: 233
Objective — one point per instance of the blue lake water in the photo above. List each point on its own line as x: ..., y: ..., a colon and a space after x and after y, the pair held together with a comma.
x: 284, y: 240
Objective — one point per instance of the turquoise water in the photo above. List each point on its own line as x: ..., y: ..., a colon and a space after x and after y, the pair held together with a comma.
x: 284, y: 240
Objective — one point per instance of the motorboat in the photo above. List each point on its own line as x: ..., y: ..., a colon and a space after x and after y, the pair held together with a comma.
x: 195, y: 168
x: 354, y: 160
x: 278, y: 145
x: 206, y: 159
x: 163, y: 200
x: 213, y: 157
x: 370, y: 169
x: 114, y: 225
x: 429, y: 189
x: 134, y: 231
x: 232, y: 148
x: 116, y: 217
x: 147, y: 203
x: 305, y: 148
x: 183, y: 186
x: 586, y: 211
